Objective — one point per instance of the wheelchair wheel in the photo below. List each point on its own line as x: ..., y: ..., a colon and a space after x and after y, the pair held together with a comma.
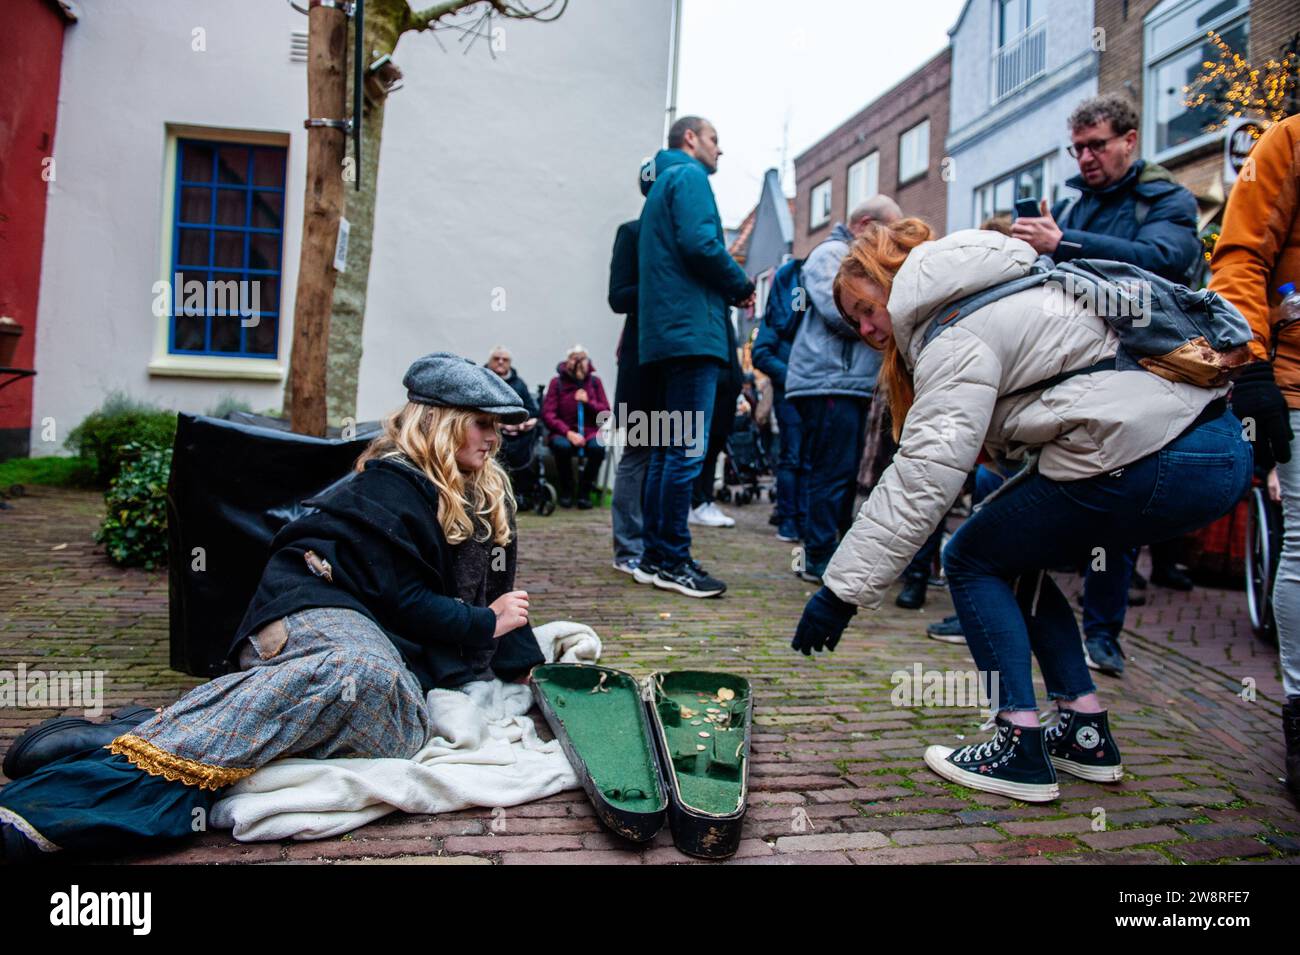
x: 546, y: 500
x: 724, y: 495
x: 1264, y: 551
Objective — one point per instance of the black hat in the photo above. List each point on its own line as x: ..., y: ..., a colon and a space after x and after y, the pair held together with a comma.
x: 451, y: 381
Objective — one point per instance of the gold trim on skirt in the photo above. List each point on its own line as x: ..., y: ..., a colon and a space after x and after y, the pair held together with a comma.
x: 156, y: 762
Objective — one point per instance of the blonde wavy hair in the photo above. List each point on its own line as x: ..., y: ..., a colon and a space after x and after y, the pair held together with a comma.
x: 429, y: 436
x: 876, y: 256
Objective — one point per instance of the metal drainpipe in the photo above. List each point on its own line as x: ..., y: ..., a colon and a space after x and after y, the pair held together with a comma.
x: 670, y: 113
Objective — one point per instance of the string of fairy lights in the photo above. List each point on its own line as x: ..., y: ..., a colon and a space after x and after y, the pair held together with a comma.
x: 1232, y: 87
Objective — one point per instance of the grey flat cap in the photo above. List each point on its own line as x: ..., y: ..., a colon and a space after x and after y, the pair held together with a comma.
x: 451, y: 381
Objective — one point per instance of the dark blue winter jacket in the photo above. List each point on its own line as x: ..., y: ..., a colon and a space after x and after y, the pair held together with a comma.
x: 771, y: 351
x: 687, y: 278
x: 1146, y: 219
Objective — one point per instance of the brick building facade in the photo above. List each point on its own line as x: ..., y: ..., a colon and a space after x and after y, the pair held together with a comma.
x: 1140, y: 35
x: 878, y: 129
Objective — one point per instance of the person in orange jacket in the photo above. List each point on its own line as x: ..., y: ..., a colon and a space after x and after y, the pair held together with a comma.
x: 1258, y: 252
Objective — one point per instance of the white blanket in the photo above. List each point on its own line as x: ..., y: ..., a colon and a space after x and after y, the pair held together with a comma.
x: 482, y: 751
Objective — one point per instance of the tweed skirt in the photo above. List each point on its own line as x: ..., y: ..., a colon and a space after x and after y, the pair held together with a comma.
x: 337, y: 687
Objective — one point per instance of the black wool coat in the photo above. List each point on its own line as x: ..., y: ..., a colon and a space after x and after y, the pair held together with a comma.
x: 378, y: 535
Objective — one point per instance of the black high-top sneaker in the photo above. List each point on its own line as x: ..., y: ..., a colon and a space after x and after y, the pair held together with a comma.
x: 1291, y: 732
x: 1081, y: 744
x: 1013, y: 763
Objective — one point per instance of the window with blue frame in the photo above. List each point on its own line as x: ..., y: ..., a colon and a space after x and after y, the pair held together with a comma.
x: 227, y: 235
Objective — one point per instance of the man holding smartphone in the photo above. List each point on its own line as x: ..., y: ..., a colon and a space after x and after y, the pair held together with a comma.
x: 1128, y: 210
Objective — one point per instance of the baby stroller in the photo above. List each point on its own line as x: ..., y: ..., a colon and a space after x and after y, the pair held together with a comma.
x: 746, y: 468
x: 521, y: 455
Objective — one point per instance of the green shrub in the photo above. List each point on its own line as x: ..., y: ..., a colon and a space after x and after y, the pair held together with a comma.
x: 120, y: 421
x: 46, y: 471
x: 134, y: 531
x: 228, y: 403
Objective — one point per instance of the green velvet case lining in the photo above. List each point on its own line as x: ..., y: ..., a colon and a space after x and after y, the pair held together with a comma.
x: 709, y: 779
x: 607, y: 728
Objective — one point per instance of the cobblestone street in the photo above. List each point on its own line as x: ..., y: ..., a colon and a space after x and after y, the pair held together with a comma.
x: 837, y: 775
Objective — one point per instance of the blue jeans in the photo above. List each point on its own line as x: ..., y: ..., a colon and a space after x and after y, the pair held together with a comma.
x: 1105, y: 595
x: 921, y: 564
x: 995, y: 563
x: 686, y: 388
x: 789, y: 501
x: 834, y: 435
x: 625, y: 508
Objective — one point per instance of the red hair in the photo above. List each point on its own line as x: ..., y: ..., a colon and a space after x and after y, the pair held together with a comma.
x: 876, y: 256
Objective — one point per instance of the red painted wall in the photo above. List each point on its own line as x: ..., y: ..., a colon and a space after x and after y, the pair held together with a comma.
x: 31, y: 51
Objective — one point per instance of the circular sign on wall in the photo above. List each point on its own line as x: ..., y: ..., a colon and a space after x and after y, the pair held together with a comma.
x: 1240, y: 141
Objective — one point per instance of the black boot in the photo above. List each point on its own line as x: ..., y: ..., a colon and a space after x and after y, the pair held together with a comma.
x: 1081, y: 744
x: 1013, y: 763
x: 1291, y: 733
x: 64, y: 735
x: 1171, y: 578
x: 912, y: 596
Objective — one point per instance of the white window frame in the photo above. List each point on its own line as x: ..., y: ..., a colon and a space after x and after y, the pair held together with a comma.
x: 1025, y: 25
x: 1001, y: 45
x: 819, y: 209
x: 1051, y: 188
x: 164, y: 363
x: 762, y: 285
x: 868, y: 170
x: 1153, y: 59
x: 905, y: 176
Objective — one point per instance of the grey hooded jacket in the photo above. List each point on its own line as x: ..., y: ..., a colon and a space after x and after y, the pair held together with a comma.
x: 827, y: 357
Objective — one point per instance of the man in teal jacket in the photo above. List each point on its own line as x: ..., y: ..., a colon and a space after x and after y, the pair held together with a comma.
x: 687, y: 280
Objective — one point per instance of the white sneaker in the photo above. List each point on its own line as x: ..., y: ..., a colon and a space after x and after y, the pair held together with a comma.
x: 709, y: 514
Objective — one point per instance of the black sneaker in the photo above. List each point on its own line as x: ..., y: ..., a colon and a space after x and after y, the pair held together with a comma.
x: 948, y: 630
x: 646, y: 571
x: 912, y: 596
x: 689, y: 578
x: 1172, y: 578
x: 1013, y: 763
x: 1104, y: 653
x: 1081, y: 744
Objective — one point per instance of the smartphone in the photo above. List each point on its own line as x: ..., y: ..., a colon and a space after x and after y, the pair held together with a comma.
x: 1027, y: 209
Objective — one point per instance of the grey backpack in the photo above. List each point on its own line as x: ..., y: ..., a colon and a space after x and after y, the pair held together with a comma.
x: 1163, y: 327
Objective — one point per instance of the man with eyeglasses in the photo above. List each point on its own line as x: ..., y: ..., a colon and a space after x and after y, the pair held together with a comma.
x: 1128, y: 210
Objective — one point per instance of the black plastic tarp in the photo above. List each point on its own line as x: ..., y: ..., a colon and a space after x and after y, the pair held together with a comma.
x: 233, y: 486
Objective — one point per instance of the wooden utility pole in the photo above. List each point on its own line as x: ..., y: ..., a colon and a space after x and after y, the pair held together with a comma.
x: 322, y: 210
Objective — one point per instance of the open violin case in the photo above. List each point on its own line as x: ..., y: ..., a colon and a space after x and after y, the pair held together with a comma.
x: 674, y: 748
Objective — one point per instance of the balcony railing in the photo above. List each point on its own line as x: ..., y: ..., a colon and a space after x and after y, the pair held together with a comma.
x: 1021, y: 61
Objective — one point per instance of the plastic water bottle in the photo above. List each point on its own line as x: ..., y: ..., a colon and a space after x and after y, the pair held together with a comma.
x: 1290, y: 302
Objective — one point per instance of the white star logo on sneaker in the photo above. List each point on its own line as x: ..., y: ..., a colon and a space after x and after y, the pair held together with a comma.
x: 1087, y: 737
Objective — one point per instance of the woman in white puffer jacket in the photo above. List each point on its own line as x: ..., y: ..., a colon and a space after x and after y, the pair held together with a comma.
x: 1114, y: 459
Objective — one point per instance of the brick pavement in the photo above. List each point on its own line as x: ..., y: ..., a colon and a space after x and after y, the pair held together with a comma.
x: 836, y: 776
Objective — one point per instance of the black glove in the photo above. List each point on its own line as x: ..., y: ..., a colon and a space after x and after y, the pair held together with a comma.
x: 1256, y: 396
x: 822, y: 623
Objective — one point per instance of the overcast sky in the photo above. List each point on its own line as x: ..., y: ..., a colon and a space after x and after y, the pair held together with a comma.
x: 751, y: 66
